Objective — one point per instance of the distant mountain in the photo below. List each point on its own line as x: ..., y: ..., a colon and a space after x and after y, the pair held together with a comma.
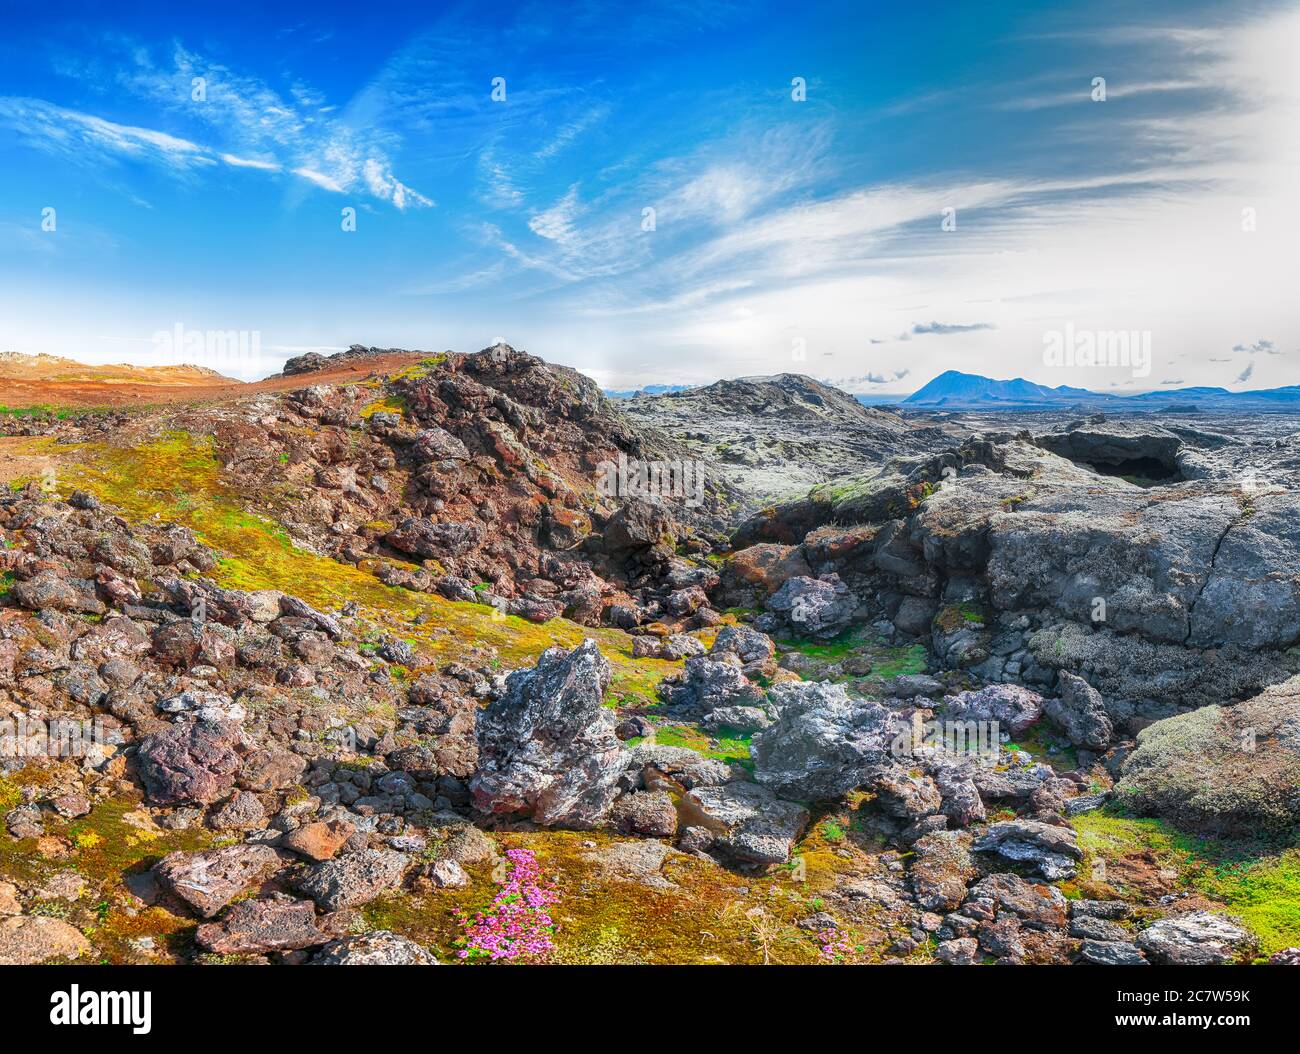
x: 956, y: 390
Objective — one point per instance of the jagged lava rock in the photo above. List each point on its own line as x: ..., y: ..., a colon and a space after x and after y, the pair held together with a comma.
x: 547, y: 748
x: 210, y: 879
x: 823, y: 744
x: 1200, y: 938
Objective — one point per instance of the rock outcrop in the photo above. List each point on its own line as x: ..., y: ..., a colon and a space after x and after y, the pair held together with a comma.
x: 547, y: 748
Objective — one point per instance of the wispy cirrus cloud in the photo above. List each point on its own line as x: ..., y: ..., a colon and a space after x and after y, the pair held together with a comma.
x: 79, y: 136
x: 252, y: 126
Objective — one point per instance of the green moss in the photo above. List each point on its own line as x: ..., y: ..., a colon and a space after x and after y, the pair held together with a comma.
x: 10, y: 794
x: 108, y: 845
x: 900, y: 662
x: 1256, y: 882
x: 733, y: 748
x: 41, y: 410
x: 832, y: 831
x: 256, y: 553
x: 391, y: 404
x: 955, y: 616
x: 707, y: 915
x: 850, y: 640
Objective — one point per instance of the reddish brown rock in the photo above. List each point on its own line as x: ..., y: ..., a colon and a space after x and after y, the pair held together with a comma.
x: 188, y: 763
x: 319, y: 841
x: 209, y: 880
x: 275, y: 923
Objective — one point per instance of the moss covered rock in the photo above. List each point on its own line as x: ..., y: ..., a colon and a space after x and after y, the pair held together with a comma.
x: 1222, y: 769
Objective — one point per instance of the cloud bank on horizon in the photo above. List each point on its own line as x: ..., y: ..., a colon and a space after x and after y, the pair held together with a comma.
x: 865, y: 194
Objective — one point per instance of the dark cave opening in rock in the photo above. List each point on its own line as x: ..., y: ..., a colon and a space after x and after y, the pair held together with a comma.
x: 1140, y: 471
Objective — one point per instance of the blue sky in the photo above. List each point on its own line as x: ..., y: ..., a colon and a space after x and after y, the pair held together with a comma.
x: 789, y: 235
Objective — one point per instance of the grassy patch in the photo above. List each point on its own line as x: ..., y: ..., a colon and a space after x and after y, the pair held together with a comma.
x: 1256, y: 882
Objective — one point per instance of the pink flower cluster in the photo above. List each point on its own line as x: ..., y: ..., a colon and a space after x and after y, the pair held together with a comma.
x: 835, y: 947
x: 518, y: 924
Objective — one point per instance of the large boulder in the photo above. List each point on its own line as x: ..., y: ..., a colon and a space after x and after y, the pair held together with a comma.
x: 1200, y: 938
x: 1080, y: 712
x: 437, y: 444
x: 746, y: 643
x: 707, y: 683
x: 752, y: 575
x: 49, y: 591
x: 189, y: 763
x: 425, y: 538
x: 814, y: 607
x: 1251, y: 595
x: 547, y: 748
x: 355, y: 879
x: 823, y: 744
x: 756, y: 826
x: 1051, y: 851
x: 209, y: 880
x: 638, y: 524
x: 1221, y: 769
x: 1013, y: 708
x: 252, y: 927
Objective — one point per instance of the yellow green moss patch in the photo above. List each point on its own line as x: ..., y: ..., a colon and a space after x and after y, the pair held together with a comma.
x: 1256, y: 883
x: 391, y: 404
x: 708, y: 914
x: 177, y: 478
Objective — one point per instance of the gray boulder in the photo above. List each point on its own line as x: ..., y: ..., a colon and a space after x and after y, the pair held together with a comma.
x: 354, y: 879
x: 741, y: 718
x: 253, y: 927
x: 1221, y: 769
x: 756, y: 826
x: 547, y: 748
x: 823, y: 743
x: 1080, y: 713
x: 1051, y: 851
x: 1015, y: 709
x: 1200, y: 938
x: 1251, y: 595
x: 707, y: 683
x: 750, y: 645
x: 1111, y: 953
x: 814, y: 607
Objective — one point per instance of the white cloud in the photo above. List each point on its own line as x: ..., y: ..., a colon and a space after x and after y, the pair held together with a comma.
x: 320, y: 179
x: 254, y: 125
x: 249, y: 162
x: 1157, y: 247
